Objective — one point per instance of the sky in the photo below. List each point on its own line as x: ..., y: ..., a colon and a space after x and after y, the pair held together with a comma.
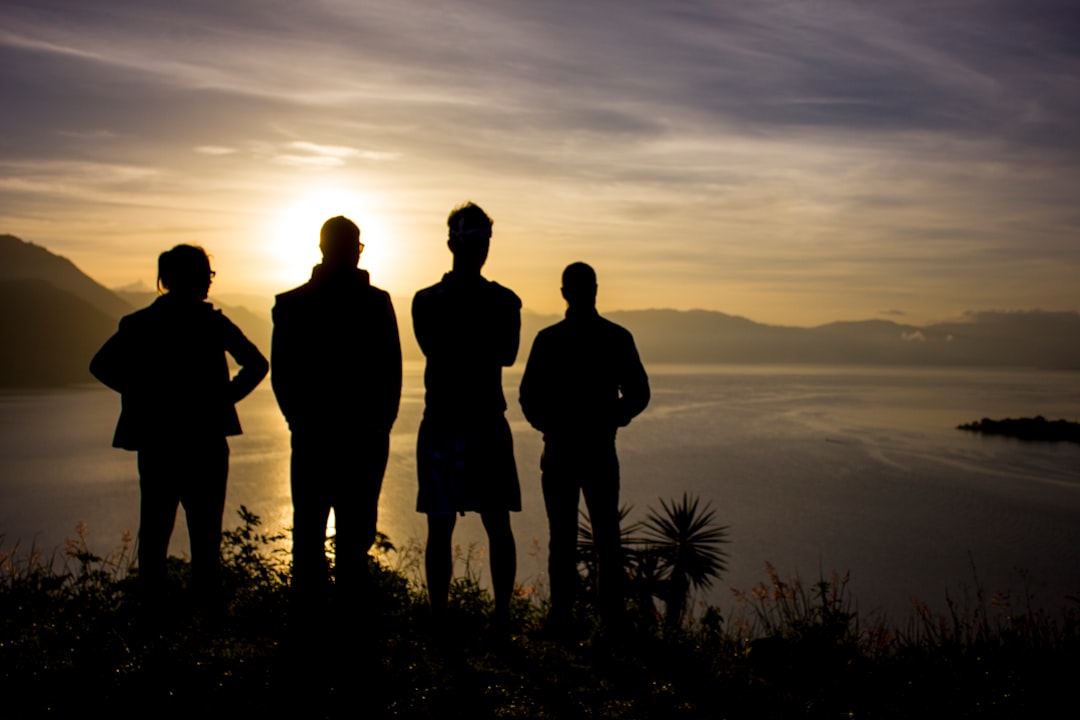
x: 791, y: 162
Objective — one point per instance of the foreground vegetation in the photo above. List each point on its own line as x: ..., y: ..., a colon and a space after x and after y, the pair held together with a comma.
x: 74, y: 642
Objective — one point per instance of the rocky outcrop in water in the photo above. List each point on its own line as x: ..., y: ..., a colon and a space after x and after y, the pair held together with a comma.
x: 1036, y: 428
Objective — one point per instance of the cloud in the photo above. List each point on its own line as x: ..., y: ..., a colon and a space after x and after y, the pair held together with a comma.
x: 339, y: 151
x: 799, y: 153
x: 74, y: 179
x: 301, y: 153
x: 215, y: 150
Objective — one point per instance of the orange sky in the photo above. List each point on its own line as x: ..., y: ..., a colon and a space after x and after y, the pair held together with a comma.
x: 795, y: 163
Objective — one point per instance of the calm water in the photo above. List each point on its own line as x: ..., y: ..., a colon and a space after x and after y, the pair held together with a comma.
x: 814, y: 469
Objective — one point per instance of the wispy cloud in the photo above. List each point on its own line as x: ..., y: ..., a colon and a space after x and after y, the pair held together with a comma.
x: 74, y: 179
x: 796, y: 154
x: 215, y: 150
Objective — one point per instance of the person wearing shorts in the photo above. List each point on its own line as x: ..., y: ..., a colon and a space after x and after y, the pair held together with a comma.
x: 468, y: 328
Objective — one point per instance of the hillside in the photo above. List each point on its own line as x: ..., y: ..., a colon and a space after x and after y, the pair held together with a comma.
x: 49, y: 335
x: 63, y: 313
x: 24, y: 261
x: 56, y: 317
x: 1027, y: 339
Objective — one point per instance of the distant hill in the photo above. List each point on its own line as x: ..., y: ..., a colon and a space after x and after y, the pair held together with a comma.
x: 49, y: 335
x: 25, y: 261
x: 63, y: 317
x: 1029, y: 339
x: 56, y: 317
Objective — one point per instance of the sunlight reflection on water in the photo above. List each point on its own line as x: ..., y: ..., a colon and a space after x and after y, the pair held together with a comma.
x: 852, y: 468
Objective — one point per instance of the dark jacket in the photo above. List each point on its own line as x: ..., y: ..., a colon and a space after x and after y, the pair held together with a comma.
x: 583, y: 379
x: 168, y: 363
x: 336, y: 354
x: 469, y: 329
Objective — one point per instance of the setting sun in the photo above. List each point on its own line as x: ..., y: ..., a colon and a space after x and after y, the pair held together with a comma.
x: 296, y: 231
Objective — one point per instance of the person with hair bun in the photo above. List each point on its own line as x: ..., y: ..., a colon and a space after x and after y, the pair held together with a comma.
x: 178, y: 406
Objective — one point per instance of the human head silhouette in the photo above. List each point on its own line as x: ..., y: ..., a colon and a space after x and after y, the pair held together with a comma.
x: 470, y: 237
x: 185, y: 270
x: 579, y: 285
x: 339, y: 241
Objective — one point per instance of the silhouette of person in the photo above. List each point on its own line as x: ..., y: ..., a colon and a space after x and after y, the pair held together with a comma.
x: 336, y: 360
x: 582, y: 382
x: 468, y: 328
x: 168, y: 363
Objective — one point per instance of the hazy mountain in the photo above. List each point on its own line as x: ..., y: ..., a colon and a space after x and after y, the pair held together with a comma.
x: 1029, y: 338
x: 64, y: 316
x: 25, y: 261
x: 56, y: 317
x: 1046, y: 339
x: 49, y: 335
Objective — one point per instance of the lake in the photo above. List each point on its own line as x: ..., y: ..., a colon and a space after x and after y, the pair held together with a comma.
x: 813, y: 468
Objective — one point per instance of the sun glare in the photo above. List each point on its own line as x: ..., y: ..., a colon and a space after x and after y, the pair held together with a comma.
x: 296, y: 231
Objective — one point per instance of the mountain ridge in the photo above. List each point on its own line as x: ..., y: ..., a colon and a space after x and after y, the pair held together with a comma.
x: 62, y: 312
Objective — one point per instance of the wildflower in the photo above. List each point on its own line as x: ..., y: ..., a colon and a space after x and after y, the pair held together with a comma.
x: 771, y: 572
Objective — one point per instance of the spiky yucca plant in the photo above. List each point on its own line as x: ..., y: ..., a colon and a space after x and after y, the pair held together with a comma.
x: 688, y: 542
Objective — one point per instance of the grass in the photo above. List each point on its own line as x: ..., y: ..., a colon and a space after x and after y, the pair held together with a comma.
x: 74, y: 642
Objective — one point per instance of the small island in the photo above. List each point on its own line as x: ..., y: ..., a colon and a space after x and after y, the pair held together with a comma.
x: 1037, y: 428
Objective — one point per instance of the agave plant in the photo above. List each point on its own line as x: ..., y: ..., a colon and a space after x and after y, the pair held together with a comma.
x: 688, y: 543
x: 668, y: 555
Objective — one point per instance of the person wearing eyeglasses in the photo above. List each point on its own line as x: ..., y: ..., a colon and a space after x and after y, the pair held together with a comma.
x: 178, y: 406
x: 336, y: 373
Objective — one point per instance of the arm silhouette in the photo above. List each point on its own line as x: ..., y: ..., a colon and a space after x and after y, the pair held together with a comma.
x: 284, y: 353
x: 535, y: 390
x: 506, y: 348
x: 253, y: 365
x: 634, y: 393
x: 111, y: 365
x: 390, y: 377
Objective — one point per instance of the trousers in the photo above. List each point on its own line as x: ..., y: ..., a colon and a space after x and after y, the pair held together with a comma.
x: 568, y: 470
x: 192, y: 473
x: 343, y: 472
